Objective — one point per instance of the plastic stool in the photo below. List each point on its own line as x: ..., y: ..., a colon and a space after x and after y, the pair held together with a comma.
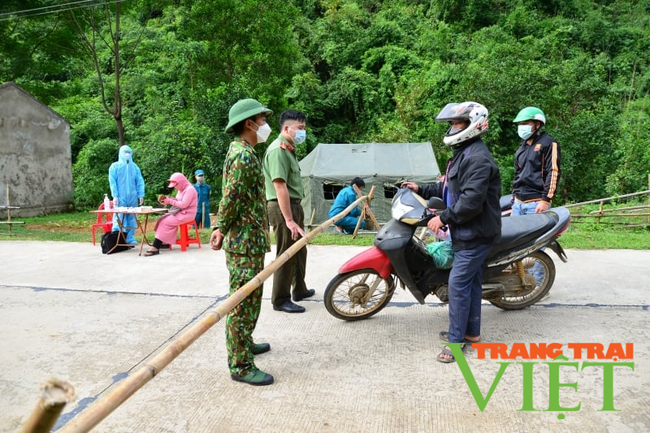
x: 184, y: 240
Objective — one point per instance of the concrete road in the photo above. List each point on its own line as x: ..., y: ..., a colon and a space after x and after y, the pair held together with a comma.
x: 70, y: 312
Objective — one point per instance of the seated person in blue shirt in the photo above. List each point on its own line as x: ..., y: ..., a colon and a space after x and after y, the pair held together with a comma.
x: 344, y: 199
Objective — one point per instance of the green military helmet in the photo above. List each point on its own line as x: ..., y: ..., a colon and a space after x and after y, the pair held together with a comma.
x: 243, y: 109
x: 530, y: 113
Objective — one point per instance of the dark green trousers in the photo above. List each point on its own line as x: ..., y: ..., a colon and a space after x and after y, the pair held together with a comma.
x: 241, y: 321
x: 292, y: 273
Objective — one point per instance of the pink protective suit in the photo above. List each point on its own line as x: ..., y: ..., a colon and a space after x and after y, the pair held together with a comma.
x: 186, y: 200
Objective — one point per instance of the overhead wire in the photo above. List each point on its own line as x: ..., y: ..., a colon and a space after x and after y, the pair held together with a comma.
x: 45, y: 10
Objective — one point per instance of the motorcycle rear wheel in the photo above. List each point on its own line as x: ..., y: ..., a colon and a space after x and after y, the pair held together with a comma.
x: 347, y: 296
x: 519, y: 302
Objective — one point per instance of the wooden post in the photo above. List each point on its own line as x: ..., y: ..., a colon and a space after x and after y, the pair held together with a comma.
x: 8, y: 209
x: 600, y: 212
x: 311, y: 220
x: 361, y: 218
x: 368, y: 210
x: 113, y: 398
x: 56, y: 393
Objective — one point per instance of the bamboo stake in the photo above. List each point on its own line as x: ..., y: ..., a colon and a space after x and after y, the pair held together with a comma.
x: 361, y: 218
x: 313, y: 215
x: 56, y: 393
x: 105, y: 405
x: 371, y: 214
x: 8, y: 209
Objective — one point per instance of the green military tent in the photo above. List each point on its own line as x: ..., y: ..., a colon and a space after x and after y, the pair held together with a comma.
x: 330, y: 167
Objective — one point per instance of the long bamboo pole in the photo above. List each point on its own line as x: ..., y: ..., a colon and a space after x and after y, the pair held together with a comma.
x: 105, y: 405
x: 56, y: 393
x: 618, y: 197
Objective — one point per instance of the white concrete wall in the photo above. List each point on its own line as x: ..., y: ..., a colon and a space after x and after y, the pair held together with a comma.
x: 35, y: 155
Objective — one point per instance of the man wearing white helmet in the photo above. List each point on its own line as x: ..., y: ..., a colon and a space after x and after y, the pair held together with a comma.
x: 537, y: 164
x: 471, y: 190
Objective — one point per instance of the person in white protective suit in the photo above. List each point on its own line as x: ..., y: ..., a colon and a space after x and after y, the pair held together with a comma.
x: 127, y: 189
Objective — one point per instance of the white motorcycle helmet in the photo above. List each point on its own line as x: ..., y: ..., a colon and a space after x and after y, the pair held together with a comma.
x: 472, y: 112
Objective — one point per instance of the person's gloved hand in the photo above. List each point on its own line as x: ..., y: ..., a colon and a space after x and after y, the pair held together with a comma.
x: 141, y: 201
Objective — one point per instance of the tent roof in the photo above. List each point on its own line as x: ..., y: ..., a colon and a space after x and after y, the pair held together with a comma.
x: 341, y: 162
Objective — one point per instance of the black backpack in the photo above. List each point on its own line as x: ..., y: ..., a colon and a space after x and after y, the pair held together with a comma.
x: 110, y: 239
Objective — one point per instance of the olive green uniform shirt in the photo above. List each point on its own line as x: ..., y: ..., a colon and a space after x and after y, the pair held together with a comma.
x: 280, y: 162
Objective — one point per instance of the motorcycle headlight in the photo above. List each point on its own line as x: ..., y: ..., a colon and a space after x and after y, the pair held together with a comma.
x: 399, y: 209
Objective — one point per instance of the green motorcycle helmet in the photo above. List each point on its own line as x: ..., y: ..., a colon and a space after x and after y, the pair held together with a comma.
x: 530, y: 113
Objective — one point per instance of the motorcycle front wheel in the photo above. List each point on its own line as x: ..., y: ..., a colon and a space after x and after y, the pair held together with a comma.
x: 539, y: 269
x: 358, y: 294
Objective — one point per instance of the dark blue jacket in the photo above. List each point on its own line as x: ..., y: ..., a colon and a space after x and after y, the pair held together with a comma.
x: 472, y: 195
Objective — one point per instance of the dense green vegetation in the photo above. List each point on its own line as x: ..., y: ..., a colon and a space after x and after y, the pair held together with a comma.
x: 162, y: 74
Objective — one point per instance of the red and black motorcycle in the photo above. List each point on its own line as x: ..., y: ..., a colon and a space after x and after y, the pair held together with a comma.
x: 517, y: 273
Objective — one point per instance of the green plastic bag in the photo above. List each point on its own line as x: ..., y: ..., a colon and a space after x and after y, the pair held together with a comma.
x: 442, y: 254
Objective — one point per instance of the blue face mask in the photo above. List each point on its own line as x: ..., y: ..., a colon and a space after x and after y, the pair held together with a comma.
x: 524, y: 131
x: 300, y: 136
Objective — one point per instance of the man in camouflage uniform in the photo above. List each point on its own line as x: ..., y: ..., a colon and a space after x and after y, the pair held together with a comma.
x: 242, y: 230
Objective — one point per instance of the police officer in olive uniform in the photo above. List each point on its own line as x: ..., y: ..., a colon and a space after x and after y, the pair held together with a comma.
x: 284, y: 191
x: 242, y: 231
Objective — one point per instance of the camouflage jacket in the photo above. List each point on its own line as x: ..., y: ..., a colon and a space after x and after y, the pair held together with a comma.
x: 242, y: 216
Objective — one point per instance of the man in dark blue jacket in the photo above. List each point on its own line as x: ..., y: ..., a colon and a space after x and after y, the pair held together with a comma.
x: 471, y: 190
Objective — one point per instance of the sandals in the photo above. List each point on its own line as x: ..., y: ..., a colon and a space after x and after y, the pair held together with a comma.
x: 150, y: 253
x: 444, y: 336
x: 447, y: 357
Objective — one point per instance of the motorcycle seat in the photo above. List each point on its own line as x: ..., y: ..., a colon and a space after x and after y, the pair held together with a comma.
x: 523, y: 229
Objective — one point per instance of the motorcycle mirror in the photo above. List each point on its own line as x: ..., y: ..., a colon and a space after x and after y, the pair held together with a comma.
x: 436, y: 203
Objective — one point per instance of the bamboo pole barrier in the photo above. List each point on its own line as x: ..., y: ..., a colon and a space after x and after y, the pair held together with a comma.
x: 361, y: 218
x: 618, y: 197
x: 105, y: 405
x: 609, y: 215
x: 365, y: 210
x: 371, y: 214
x: 623, y: 209
x: 55, y: 394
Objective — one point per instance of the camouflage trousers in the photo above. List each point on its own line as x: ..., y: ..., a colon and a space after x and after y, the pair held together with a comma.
x: 241, y: 321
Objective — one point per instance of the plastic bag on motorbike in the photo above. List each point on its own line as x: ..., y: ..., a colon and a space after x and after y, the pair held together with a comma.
x: 442, y: 254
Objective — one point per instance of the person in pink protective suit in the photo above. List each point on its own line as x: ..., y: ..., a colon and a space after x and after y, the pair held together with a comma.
x: 183, y: 210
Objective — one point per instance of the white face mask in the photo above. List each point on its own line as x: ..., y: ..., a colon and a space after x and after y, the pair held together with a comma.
x: 524, y: 131
x: 263, y: 132
x: 300, y: 136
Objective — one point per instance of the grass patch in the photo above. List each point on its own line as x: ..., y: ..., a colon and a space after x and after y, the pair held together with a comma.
x: 75, y: 227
